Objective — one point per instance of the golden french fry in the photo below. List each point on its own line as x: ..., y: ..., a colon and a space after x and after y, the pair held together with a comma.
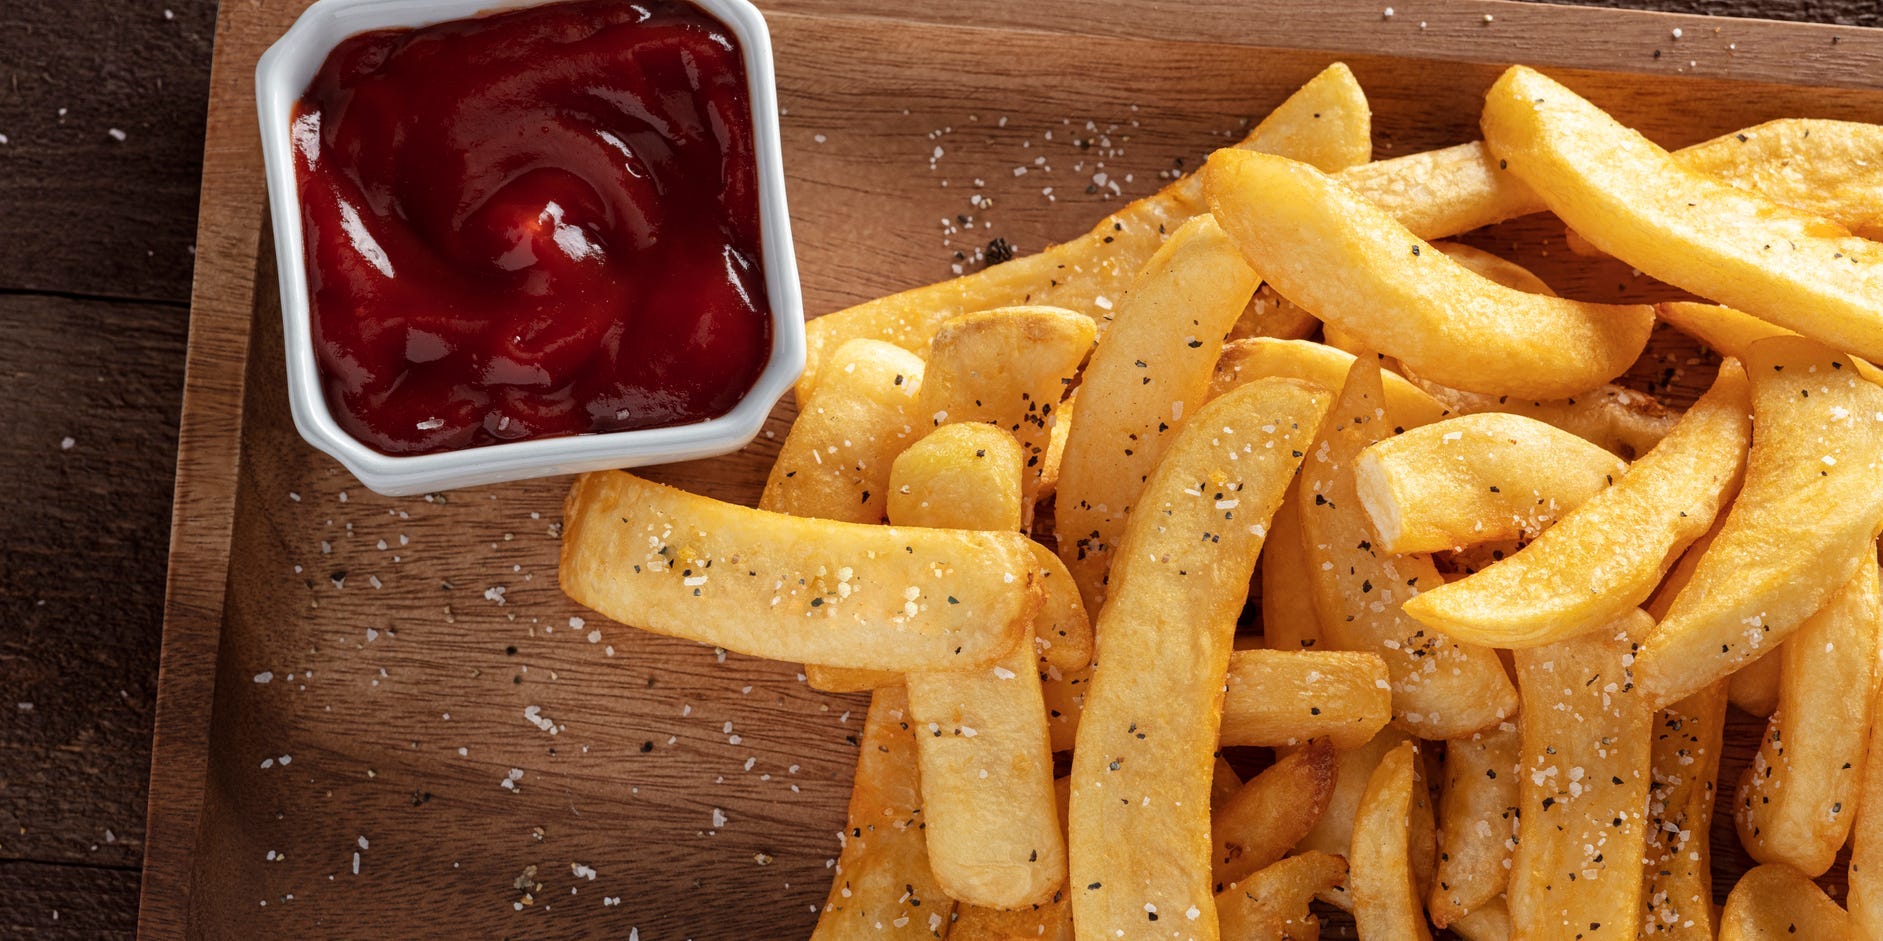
x: 1828, y: 168
x: 1153, y: 368
x: 1153, y: 711
x: 1810, y: 504
x: 1319, y: 364
x: 1678, y: 873
x: 1495, y: 267
x: 1775, y: 902
x: 1582, y: 788
x: 1754, y: 687
x: 1010, y: 368
x: 1607, y: 555
x: 1475, y: 479
x: 1056, y: 447
x: 1272, y: 812
x: 1062, y: 631
x: 776, y: 586
x: 1325, y: 123
x: 1272, y: 905
x: 883, y: 888
x: 1441, y: 193
x: 1865, y: 875
x: 1288, y: 618
x: 1353, y: 265
x: 1796, y: 800
x: 1633, y: 200
x: 1477, y: 809
x: 1618, y: 419
x: 1269, y: 314
x: 994, y: 838
x: 1488, y: 922
x: 1278, y: 698
x: 1379, y: 874
x: 1422, y: 834
x: 1050, y: 920
x: 1441, y: 688
x: 1224, y: 783
x: 1333, y: 833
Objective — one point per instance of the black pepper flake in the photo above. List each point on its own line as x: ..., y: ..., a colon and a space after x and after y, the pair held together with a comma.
x: 999, y: 250
x: 646, y: 747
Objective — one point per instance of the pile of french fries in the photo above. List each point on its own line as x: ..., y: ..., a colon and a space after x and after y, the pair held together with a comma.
x: 1503, y: 605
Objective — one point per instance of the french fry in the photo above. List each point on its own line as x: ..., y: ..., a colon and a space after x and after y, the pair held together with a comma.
x: 1322, y: 365
x: 1607, y: 555
x: 1288, y: 618
x: 882, y: 887
x: 1056, y: 447
x: 1437, y: 194
x: 1353, y: 265
x: 1477, y: 809
x: 1062, y: 632
x: 1326, y: 123
x: 1488, y: 922
x: 1678, y: 874
x: 1495, y: 267
x: 776, y: 586
x: 1809, y: 506
x: 1278, y: 698
x: 1618, y: 419
x: 1475, y: 479
x: 1272, y: 904
x: 1379, y: 875
x: 1333, y: 833
x: 1050, y: 920
x: 1731, y: 332
x: 1753, y: 688
x: 1224, y: 783
x: 994, y: 838
x: 1150, y: 727
x: 1155, y: 363
x: 1827, y: 168
x: 1440, y: 688
x: 1272, y: 812
x: 977, y: 373
x: 1795, y: 801
x: 1634, y: 201
x: 1775, y: 902
x: 1582, y: 788
x: 1865, y: 874
x: 1269, y: 314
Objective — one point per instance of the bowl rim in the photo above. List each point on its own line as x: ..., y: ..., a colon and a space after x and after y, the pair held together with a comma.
x: 281, y: 76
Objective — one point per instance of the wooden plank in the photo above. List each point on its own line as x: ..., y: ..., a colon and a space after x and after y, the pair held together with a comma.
x: 86, y: 212
x: 379, y: 658
x: 50, y: 902
x: 88, y: 395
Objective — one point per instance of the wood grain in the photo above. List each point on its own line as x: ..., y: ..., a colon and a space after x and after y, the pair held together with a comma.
x: 367, y: 640
x: 85, y: 212
x: 51, y: 902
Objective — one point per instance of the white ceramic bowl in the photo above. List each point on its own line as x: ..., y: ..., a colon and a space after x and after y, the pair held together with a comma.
x: 282, y: 76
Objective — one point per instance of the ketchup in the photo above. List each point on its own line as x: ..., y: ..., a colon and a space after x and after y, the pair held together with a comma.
x: 535, y: 223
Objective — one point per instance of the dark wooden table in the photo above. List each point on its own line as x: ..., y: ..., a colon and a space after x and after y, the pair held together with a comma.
x: 101, y: 122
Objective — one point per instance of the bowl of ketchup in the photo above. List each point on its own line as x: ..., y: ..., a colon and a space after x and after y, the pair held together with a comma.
x: 526, y: 238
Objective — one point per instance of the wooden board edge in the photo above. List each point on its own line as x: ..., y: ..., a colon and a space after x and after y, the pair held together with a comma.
x: 209, y: 452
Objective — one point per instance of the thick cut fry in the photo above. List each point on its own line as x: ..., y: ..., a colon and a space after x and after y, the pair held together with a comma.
x: 835, y: 462
x: 1606, y: 556
x: 1441, y: 193
x: 1269, y: 314
x: 814, y: 591
x: 1272, y: 905
x: 1582, y: 788
x: 1009, y: 368
x: 1796, y: 800
x: 1325, y: 123
x: 994, y: 838
x: 883, y: 888
x: 1811, y: 502
x: 1495, y: 267
x: 1633, y: 200
x: 1865, y: 875
x: 1754, y: 687
x: 1050, y: 920
x: 1477, y: 810
x: 1146, y: 740
x: 1677, y: 894
x: 1379, y: 875
x: 1489, y: 922
x: 1618, y: 419
x: 1319, y: 364
x: 1477, y: 478
x: 1352, y: 265
x: 1288, y: 618
x: 1056, y: 447
x: 1832, y: 169
x: 1224, y: 783
x: 1333, y: 833
x: 1775, y: 902
x: 1271, y: 813
x: 1441, y: 689
x: 1155, y: 364
x: 1278, y: 698
x: 1062, y: 631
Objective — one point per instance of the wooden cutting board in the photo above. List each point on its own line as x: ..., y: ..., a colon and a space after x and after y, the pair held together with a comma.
x: 379, y: 718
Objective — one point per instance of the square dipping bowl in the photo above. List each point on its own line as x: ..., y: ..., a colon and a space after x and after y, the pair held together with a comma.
x: 282, y: 77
